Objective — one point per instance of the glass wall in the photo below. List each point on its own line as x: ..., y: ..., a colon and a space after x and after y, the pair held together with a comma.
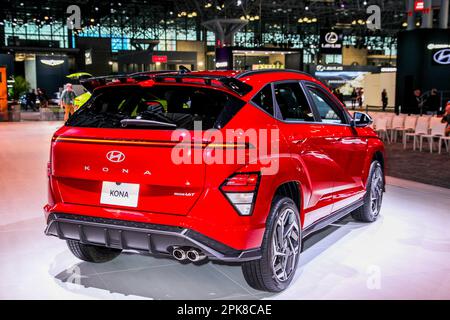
x: 52, y: 33
x: 169, y: 31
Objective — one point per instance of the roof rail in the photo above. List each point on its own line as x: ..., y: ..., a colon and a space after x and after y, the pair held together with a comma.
x: 230, y: 83
x: 146, y: 75
x: 255, y: 72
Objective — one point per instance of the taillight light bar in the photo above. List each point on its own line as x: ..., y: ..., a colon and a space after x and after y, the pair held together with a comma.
x: 241, y: 189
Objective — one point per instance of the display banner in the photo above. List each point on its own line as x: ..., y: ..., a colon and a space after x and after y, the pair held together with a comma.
x: 160, y: 59
x: 330, y: 42
x: 3, y: 90
x: 423, y: 62
x: 419, y: 5
x: 224, y: 58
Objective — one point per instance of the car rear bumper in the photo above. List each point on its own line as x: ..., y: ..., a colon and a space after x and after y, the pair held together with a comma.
x: 152, y: 238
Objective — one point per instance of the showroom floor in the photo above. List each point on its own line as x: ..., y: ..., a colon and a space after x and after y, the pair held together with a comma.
x: 405, y: 254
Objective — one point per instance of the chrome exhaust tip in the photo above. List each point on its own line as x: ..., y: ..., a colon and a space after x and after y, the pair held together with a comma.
x: 179, y: 254
x: 195, y: 255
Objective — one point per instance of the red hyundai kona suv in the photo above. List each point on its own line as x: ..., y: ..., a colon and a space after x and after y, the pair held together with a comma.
x: 237, y: 166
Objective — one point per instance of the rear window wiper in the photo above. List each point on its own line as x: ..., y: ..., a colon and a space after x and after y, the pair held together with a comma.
x: 145, y: 123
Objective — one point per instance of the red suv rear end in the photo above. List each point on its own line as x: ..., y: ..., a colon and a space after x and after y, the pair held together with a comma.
x: 231, y: 166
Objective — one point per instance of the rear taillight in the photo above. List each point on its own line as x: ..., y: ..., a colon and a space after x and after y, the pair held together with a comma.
x: 240, y: 189
x: 49, y: 168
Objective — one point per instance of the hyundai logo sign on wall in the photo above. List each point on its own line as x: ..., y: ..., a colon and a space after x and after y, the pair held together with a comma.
x: 115, y: 156
x: 442, y: 56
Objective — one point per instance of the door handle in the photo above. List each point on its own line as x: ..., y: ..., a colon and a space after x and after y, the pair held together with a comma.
x: 298, y: 141
x: 333, y: 138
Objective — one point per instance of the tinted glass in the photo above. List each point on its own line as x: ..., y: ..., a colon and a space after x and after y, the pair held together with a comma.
x: 292, y: 102
x: 264, y: 99
x: 329, y: 112
x: 178, y: 106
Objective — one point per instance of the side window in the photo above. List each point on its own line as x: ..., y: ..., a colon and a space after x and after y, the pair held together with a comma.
x: 264, y: 99
x: 292, y: 102
x: 329, y: 113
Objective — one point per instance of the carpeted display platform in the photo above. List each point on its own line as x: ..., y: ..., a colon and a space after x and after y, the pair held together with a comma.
x: 418, y: 166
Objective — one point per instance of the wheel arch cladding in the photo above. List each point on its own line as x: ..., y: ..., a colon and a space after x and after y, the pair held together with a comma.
x: 291, y: 189
x: 375, y: 151
x: 379, y: 156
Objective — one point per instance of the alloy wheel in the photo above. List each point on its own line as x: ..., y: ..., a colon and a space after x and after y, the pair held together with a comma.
x: 285, y: 245
x: 376, y: 192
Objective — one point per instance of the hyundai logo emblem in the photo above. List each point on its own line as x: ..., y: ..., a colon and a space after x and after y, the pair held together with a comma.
x: 115, y: 156
x: 442, y: 56
x: 331, y: 37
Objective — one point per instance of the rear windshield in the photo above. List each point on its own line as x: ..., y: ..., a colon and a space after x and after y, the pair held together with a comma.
x: 157, y: 107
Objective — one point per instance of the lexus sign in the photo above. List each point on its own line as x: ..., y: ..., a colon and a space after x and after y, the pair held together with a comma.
x: 330, y: 42
x: 442, y: 57
x: 331, y: 37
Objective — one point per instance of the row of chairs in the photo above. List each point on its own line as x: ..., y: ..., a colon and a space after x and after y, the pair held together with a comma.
x: 420, y: 128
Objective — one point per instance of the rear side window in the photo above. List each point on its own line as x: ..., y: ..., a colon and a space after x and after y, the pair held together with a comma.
x: 292, y: 102
x: 157, y: 107
x: 264, y: 99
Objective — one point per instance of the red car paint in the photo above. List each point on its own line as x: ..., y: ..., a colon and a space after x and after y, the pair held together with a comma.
x: 330, y: 163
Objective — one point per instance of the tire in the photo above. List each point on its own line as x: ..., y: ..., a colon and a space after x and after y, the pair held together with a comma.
x: 260, y: 274
x: 373, y: 198
x: 92, y: 253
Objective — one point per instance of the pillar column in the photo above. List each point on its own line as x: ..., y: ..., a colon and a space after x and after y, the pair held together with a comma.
x: 427, y: 15
x: 411, y: 15
x: 443, y: 14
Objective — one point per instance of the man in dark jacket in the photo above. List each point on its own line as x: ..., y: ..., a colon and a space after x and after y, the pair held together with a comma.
x: 433, y: 103
x: 384, y: 99
x: 415, y: 102
x: 31, y: 100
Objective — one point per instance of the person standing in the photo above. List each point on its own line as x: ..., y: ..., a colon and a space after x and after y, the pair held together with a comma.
x: 415, y: 102
x: 67, y: 101
x: 384, y: 99
x: 31, y: 100
x: 353, y: 98
x: 339, y: 95
x: 42, y: 97
x: 360, y: 97
x: 433, y: 103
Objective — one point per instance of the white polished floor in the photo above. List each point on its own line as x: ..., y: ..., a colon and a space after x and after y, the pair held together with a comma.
x: 404, y: 255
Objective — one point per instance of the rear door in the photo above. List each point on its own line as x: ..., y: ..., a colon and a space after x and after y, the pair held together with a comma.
x: 96, y: 161
x: 309, y: 144
x: 347, y: 148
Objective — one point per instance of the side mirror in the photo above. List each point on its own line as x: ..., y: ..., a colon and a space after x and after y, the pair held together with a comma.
x: 361, y: 119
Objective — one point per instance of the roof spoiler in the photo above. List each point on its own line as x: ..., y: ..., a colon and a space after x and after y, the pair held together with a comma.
x: 233, y: 84
x: 91, y: 83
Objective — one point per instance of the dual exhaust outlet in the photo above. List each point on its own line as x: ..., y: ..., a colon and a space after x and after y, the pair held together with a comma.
x: 191, y: 254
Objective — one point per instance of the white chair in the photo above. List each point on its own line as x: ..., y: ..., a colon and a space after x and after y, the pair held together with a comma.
x: 446, y: 141
x: 398, y: 123
x: 381, y: 128
x: 421, y: 128
x: 437, y: 131
x: 389, y: 117
x: 409, y: 125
